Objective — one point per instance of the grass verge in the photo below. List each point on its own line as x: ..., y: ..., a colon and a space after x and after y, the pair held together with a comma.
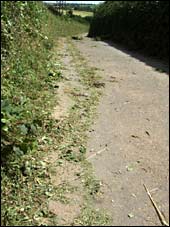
x: 29, y: 76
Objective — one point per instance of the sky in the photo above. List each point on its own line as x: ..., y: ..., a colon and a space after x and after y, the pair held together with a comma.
x: 83, y: 2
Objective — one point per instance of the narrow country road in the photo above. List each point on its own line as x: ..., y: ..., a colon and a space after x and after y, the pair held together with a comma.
x: 131, y: 133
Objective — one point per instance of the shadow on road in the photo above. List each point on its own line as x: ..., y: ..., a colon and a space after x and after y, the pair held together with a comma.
x: 158, y: 65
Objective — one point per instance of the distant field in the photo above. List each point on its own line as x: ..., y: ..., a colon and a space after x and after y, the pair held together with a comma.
x: 81, y: 13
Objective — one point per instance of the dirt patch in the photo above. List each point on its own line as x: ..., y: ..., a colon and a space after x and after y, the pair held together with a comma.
x: 66, y: 213
x: 67, y: 173
x: 64, y: 103
x: 71, y: 82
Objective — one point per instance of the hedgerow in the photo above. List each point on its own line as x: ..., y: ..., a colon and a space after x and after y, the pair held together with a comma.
x: 140, y: 25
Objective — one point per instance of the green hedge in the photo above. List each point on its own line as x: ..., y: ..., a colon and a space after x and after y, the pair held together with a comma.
x: 140, y: 25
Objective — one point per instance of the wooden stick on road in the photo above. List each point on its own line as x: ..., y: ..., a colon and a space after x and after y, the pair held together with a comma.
x: 161, y: 217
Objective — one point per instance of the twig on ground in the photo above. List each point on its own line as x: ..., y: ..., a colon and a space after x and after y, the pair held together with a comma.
x: 99, y: 152
x: 161, y: 217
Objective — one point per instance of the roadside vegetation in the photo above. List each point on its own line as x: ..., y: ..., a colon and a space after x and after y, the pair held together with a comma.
x: 28, y: 75
x: 138, y: 25
x: 31, y: 71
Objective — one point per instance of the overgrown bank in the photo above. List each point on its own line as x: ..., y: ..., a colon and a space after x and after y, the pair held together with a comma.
x: 29, y: 75
x: 139, y: 25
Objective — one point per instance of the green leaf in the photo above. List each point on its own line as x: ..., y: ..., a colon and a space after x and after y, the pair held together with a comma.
x: 5, y: 121
x: 82, y: 150
x: 24, y: 129
x: 33, y: 128
x: 48, y: 194
x: 129, y: 168
x: 5, y: 128
x: 60, y: 162
x: 18, y: 151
